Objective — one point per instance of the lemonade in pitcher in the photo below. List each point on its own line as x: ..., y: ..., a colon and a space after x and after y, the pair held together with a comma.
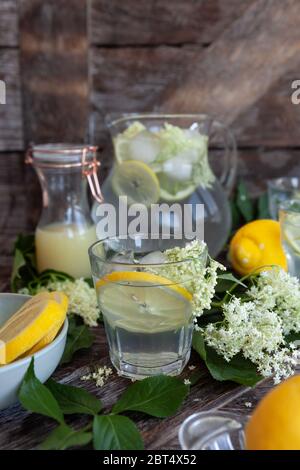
x: 174, y: 159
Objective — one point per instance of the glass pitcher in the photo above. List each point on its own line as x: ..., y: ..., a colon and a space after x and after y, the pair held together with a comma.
x: 65, y: 230
x: 187, y: 159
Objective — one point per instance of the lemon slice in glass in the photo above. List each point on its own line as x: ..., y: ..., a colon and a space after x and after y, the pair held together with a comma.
x: 143, y: 302
x: 292, y: 237
x: 137, y: 181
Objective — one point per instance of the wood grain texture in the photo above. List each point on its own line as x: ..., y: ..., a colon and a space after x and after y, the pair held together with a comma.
x: 29, y: 430
x: 20, y: 204
x: 54, y: 55
x: 241, y: 65
x: 132, y: 22
x: 132, y: 79
x: 257, y: 165
x: 8, y: 23
x: 273, y: 120
x: 11, y: 122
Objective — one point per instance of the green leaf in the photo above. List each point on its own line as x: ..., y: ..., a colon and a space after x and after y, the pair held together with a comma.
x: 225, y: 282
x: 244, y: 203
x: 112, y: 432
x: 235, y: 215
x: 34, y: 396
x: 159, y: 396
x: 47, y: 276
x: 79, y: 337
x: 18, y: 262
x: 64, y: 437
x: 199, y: 345
x: 24, y: 267
x: 263, y: 207
x: 195, y: 377
x: 25, y: 243
x: 292, y: 337
x: 73, y: 399
x: 239, y: 369
x: 89, y: 281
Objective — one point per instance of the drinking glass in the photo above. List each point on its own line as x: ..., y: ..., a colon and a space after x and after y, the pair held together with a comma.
x: 289, y: 217
x: 282, y: 189
x: 147, y: 316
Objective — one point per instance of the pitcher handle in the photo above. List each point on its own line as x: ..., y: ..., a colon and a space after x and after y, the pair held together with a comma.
x: 221, y: 138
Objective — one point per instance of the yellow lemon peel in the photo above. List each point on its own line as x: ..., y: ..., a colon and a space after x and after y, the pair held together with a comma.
x: 255, y: 246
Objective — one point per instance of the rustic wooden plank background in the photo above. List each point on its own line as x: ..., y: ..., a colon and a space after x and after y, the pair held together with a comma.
x: 69, y: 60
x: 9, y: 23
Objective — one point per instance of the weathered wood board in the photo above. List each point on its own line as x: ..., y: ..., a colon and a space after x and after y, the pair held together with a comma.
x: 54, y: 60
x: 29, y: 430
x: 131, y: 22
x: 8, y: 23
x: 132, y: 79
x: 241, y: 65
x: 23, y: 430
x: 11, y: 122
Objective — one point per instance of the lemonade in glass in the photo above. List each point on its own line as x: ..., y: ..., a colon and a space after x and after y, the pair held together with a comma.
x: 289, y: 217
x: 148, y: 317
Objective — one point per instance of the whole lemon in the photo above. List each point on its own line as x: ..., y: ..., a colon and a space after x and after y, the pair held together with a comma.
x: 255, y: 245
x: 275, y: 423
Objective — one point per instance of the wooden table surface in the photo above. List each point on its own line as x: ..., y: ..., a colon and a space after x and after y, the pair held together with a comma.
x: 23, y: 430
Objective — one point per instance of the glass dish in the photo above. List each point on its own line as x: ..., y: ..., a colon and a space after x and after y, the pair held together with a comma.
x: 213, y: 430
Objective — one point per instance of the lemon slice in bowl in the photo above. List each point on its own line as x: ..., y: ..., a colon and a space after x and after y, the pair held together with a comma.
x: 143, y: 302
x: 26, y: 328
x: 137, y: 181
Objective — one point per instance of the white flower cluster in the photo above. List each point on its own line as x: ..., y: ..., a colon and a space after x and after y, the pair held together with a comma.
x: 277, y: 290
x: 82, y: 299
x: 190, y: 270
x: 100, y: 376
x: 256, y: 327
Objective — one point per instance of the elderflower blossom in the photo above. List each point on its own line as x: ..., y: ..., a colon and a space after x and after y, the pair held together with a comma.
x: 190, y: 270
x: 256, y: 328
x: 100, y: 376
x: 276, y: 289
x: 82, y: 299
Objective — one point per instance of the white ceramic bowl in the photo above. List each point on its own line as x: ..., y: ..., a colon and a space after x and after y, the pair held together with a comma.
x: 45, y: 361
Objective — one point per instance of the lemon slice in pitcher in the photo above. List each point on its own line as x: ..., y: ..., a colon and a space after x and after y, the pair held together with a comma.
x: 137, y: 181
x: 172, y: 191
x: 143, y: 302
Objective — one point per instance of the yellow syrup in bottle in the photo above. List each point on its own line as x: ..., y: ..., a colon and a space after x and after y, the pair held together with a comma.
x: 64, y: 247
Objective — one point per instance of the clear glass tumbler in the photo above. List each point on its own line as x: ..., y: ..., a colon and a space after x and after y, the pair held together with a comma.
x: 289, y: 217
x: 280, y: 190
x: 148, y: 318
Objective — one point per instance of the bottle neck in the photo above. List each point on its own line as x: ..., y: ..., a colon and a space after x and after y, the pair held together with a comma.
x: 64, y: 197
